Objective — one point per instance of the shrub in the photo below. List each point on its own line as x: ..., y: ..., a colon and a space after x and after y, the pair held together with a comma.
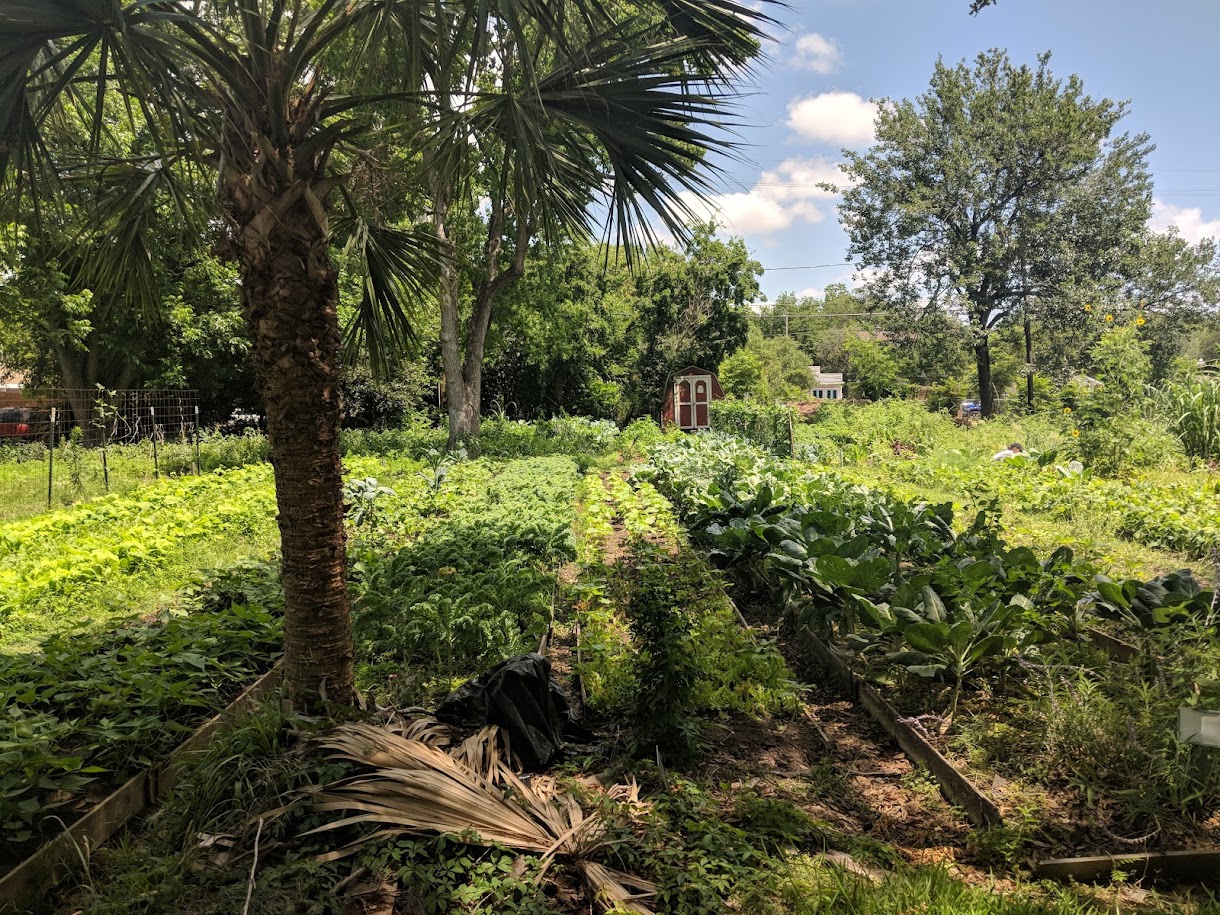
x: 764, y: 424
x: 876, y: 426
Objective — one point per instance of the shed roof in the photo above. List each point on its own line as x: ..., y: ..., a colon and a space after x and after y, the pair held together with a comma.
x: 693, y: 370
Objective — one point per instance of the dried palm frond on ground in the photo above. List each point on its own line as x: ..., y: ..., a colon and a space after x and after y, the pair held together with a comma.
x: 473, y: 792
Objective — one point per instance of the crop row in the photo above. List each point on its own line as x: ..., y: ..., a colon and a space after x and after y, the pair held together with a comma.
x: 62, y: 568
x: 455, y: 570
x: 89, y: 711
x: 1181, y: 514
x: 659, y: 639
x: 916, y: 602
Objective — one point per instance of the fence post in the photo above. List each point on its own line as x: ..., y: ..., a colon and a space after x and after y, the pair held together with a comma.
x: 51, y: 459
x: 198, y: 468
x: 152, y: 417
x: 102, y: 421
x: 791, y: 437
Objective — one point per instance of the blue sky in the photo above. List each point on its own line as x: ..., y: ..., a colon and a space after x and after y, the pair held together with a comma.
x: 812, y: 98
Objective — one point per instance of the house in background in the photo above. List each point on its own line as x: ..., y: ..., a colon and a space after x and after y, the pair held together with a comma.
x: 688, y: 399
x: 11, y: 384
x: 826, y: 385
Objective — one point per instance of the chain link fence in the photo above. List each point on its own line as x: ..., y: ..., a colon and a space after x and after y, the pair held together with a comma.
x: 58, y: 446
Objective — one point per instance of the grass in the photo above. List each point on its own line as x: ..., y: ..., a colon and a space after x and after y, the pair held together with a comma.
x: 78, y: 474
x: 810, y: 886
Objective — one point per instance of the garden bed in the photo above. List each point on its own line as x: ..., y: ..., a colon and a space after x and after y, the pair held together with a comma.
x: 69, y: 851
x: 88, y: 712
x: 1075, y: 744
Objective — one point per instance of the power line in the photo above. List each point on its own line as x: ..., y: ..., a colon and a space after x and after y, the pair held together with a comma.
x: 810, y: 267
x: 824, y: 314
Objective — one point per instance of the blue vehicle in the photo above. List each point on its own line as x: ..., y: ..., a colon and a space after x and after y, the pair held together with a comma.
x: 971, y: 408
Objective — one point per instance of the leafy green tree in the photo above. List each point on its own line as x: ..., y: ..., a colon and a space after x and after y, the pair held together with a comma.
x: 872, y: 370
x: 786, y: 367
x: 562, y: 340
x: 291, y: 107
x: 64, y: 332
x: 998, y: 184
x: 767, y: 368
x: 741, y: 374
x: 930, y: 348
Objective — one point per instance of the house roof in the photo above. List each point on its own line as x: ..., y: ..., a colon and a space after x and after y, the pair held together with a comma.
x: 828, y: 379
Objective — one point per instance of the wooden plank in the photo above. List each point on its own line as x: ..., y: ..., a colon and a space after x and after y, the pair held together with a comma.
x: 63, y: 854
x: 956, y: 787
x: 1115, y: 648
x: 953, y: 784
x: 66, y: 852
x: 1188, y: 866
x: 164, y: 777
x: 832, y: 663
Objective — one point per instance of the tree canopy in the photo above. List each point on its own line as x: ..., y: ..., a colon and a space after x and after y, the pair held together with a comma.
x: 998, y: 184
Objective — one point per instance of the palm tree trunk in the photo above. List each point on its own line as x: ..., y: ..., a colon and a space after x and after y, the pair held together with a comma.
x: 290, y: 294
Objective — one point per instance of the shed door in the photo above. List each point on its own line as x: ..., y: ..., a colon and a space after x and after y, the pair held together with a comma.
x: 686, y: 408
x: 703, y: 395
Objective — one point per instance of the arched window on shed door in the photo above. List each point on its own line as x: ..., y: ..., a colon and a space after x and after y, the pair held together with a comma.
x: 685, y: 404
x: 702, y: 397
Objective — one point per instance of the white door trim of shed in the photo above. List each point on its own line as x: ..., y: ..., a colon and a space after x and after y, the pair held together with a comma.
x: 692, y: 400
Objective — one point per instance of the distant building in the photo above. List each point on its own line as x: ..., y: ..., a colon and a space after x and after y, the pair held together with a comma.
x: 11, y: 383
x: 826, y: 385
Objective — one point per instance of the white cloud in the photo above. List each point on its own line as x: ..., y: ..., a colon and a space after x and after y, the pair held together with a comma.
x: 1188, y: 220
x: 811, y: 293
x: 787, y: 194
x: 821, y: 55
x: 801, y: 179
x: 843, y: 118
x: 741, y: 213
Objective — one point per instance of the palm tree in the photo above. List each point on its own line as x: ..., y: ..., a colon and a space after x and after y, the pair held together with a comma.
x: 282, y: 103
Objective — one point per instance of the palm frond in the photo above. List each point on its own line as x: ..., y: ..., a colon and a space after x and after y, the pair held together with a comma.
x: 725, y: 32
x: 416, y: 788
x: 398, y: 270
x: 71, y: 55
x: 624, y: 123
x: 125, y: 202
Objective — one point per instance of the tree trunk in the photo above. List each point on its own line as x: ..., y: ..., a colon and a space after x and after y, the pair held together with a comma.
x: 463, y: 415
x: 290, y: 294
x: 463, y: 359
x: 1029, y: 365
x: 982, y: 358
x: 74, y: 369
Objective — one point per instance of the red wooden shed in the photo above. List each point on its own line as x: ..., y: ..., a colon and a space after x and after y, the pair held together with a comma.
x: 687, y: 399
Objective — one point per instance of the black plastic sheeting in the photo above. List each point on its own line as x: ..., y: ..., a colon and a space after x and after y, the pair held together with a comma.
x: 519, y: 696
